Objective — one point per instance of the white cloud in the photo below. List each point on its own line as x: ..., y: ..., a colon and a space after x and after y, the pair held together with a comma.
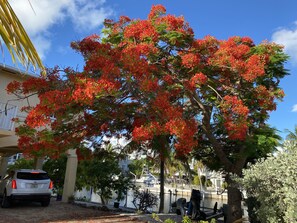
x: 62, y: 50
x: 42, y: 44
x: 294, y: 109
x: 288, y: 38
x: 87, y: 14
x: 84, y: 15
x: 116, y: 142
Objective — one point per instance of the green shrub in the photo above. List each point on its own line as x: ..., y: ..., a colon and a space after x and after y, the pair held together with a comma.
x: 196, y: 180
x: 252, y: 207
x: 203, y: 180
x: 272, y: 185
x: 143, y: 200
x: 224, y: 185
x: 186, y: 219
x: 169, y: 221
x: 208, y: 183
x: 21, y: 163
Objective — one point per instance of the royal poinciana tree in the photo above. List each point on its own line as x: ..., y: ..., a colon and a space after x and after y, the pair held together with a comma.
x: 153, y: 80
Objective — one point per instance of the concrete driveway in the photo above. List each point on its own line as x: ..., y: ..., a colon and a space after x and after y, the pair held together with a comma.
x: 58, y: 212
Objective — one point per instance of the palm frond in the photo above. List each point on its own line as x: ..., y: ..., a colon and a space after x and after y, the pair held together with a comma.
x: 16, y: 39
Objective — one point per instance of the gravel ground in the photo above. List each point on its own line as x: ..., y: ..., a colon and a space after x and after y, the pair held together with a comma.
x: 58, y: 212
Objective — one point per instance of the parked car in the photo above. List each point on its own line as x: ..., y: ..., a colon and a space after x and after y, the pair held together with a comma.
x: 26, y: 184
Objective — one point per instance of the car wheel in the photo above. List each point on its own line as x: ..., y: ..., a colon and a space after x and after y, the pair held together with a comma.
x: 5, y: 201
x: 45, y: 203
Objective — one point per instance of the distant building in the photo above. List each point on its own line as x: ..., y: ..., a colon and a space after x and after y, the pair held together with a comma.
x: 124, y: 164
x: 14, y: 158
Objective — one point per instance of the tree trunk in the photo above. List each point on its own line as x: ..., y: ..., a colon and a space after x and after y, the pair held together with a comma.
x: 234, y: 201
x: 162, y: 179
x: 103, y: 200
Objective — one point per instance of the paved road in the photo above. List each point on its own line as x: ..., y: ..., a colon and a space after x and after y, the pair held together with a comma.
x: 58, y: 212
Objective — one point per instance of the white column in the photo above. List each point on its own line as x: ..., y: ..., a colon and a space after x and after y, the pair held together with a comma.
x: 70, y: 175
x: 3, y: 166
x: 38, y: 163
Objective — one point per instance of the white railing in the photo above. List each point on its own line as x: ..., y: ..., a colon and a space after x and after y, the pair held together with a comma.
x: 7, y: 113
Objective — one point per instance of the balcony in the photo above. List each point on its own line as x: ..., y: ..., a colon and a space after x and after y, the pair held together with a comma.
x: 7, y: 113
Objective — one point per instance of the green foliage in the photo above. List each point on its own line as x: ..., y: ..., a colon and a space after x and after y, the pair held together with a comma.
x: 196, y: 180
x: 156, y: 217
x: 136, y: 166
x: 164, y: 97
x: 208, y: 183
x: 211, y: 221
x: 121, y: 186
x: 186, y: 219
x: 264, y: 142
x: 56, y: 169
x: 252, y: 206
x: 272, y: 183
x: 143, y: 200
x: 290, y: 143
x: 21, y: 164
x: 103, y: 174
x: 203, y: 180
x: 82, y: 199
x: 169, y: 221
x: 71, y: 199
x: 224, y: 185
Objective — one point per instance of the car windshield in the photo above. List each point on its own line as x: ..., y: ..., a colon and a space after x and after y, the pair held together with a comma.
x: 32, y: 176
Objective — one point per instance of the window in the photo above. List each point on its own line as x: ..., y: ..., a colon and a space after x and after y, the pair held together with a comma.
x: 32, y: 176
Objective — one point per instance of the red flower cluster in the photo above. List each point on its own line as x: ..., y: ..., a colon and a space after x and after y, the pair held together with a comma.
x: 265, y: 98
x: 135, y: 63
x: 38, y: 146
x: 207, y: 46
x: 86, y: 89
x: 141, y: 49
x: 190, y: 60
x: 168, y: 79
x: 38, y: 116
x: 149, y: 85
x: 156, y: 11
x: 34, y: 84
x: 13, y: 86
x: 185, y: 131
x: 176, y: 24
x: 147, y: 132
x: 236, y: 117
x: 255, y: 68
x: 141, y: 30
x: 149, y: 78
x: 234, y: 55
x: 198, y: 79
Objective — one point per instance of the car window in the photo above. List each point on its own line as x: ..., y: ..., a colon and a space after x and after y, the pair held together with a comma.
x: 32, y: 176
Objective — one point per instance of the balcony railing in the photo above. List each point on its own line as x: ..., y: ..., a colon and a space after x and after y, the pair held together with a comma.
x: 7, y: 113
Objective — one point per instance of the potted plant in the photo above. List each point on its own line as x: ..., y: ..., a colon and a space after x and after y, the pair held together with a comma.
x: 121, y: 191
x: 59, y: 194
x: 123, y: 184
x: 116, y: 204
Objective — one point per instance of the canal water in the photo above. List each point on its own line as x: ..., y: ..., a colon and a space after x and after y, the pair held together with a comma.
x: 171, y: 195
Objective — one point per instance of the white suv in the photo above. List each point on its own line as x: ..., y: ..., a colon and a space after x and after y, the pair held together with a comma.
x: 25, y: 184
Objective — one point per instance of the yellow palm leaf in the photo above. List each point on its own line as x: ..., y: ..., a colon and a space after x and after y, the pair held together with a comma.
x: 16, y: 39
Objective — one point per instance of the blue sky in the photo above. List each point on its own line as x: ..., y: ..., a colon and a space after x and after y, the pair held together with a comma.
x: 56, y: 23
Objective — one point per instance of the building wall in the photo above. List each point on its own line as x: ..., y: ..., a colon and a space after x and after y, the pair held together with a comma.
x: 8, y: 139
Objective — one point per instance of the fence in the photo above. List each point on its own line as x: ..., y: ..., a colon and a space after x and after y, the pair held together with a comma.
x: 7, y: 113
